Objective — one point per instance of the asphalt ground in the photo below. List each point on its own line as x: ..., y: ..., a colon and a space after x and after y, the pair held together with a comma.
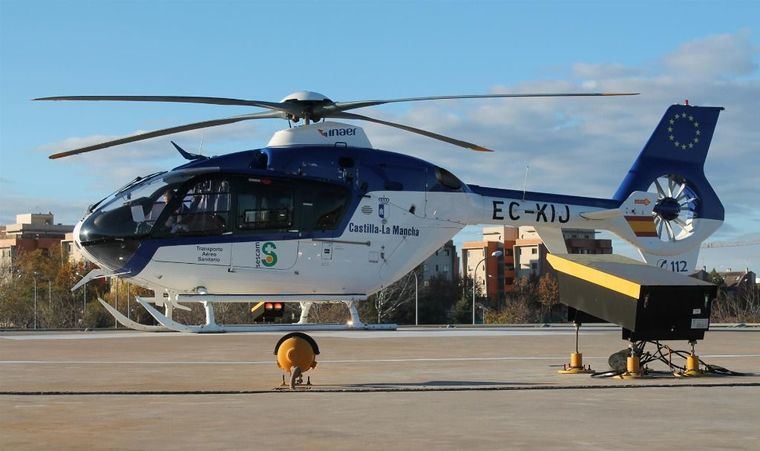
x: 438, y: 388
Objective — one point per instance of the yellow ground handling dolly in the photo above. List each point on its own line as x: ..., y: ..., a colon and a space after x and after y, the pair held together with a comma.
x: 296, y: 354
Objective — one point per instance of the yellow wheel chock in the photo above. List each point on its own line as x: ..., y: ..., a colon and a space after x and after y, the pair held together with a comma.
x: 296, y: 354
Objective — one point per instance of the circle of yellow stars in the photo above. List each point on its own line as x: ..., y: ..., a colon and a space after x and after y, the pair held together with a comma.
x: 678, y: 142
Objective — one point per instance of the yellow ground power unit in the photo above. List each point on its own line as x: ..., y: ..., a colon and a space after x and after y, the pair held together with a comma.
x: 648, y: 302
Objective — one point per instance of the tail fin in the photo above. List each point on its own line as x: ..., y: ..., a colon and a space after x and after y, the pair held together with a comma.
x: 687, y: 210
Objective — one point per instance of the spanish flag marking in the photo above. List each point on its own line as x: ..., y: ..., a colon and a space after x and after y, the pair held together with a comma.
x: 642, y: 226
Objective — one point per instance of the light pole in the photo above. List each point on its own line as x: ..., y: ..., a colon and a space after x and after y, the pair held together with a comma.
x: 35, y: 300
x: 84, y: 298
x: 116, y: 304
x: 127, y: 300
x: 416, y: 301
x: 474, y: 272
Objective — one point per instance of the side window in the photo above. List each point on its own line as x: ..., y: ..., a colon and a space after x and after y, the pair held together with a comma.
x: 264, y: 205
x: 447, y: 179
x: 322, y: 206
x: 204, y: 209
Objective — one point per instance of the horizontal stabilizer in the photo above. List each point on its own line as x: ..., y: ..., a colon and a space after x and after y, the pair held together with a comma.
x: 601, y: 214
x: 638, y: 203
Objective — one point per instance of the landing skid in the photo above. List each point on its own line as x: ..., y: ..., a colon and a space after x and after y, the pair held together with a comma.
x: 128, y: 323
x: 212, y: 327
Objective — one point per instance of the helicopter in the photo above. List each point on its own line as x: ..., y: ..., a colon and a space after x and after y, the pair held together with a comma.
x: 320, y: 215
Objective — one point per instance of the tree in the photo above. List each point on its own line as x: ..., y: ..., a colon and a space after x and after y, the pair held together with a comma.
x: 740, y: 306
x: 53, y: 277
x: 715, y: 278
x: 521, y: 305
x: 461, y: 305
x: 332, y: 312
x: 547, y: 292
x: 438, y: 297
x: 395, y: 303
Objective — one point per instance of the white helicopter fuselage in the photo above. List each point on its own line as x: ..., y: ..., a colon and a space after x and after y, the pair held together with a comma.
x: 372, y: 252
x: 382, y: 241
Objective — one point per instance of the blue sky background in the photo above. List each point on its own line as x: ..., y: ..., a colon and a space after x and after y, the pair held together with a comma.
x: 704, y: 51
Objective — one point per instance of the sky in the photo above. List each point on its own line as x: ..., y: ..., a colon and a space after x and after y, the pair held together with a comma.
x: 706, y: 52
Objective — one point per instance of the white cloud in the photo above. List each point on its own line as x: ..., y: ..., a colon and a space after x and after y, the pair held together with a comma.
x: 590, y: 71
x: 717, y: 56
x: 67, y: 211
x: 106, y: 169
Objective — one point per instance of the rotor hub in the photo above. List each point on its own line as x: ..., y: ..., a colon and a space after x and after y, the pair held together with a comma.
x: 668, y: 208
x: 306, y: 96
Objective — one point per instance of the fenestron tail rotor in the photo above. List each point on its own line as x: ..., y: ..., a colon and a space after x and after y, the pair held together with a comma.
x: 676, y: 209
x: 303, y: 105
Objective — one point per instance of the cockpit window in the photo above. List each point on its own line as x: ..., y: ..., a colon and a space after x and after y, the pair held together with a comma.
x: 204, y: 208
x: 265, y: 204
x: 322, y: 206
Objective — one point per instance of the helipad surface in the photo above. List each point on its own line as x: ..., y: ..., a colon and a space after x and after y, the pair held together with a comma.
x: 432, y: 388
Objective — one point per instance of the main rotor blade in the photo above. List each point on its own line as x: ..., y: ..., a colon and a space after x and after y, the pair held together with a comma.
x: 456, y: 142
x: 344, y: 106
x: 167, y: 131
x: 184, y: 99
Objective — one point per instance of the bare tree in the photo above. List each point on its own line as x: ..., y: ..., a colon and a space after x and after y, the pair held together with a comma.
x: 391, y: 301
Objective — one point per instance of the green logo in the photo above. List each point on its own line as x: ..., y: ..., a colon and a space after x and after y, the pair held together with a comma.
x: 270, y: 258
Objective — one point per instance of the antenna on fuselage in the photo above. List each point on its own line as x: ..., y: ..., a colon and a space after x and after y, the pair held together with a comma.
x: 525, y: 180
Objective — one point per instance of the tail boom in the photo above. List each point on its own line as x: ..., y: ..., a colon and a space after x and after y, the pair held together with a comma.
x: 665, y: 206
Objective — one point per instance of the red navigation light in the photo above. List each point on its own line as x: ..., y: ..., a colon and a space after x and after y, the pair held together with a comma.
x: 273, y: 309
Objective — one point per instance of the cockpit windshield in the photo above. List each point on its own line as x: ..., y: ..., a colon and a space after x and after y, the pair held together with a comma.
x: 132, y: 211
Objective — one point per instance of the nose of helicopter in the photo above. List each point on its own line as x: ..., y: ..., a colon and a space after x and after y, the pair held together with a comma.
x: 78, y: 239
x: 99, y: 245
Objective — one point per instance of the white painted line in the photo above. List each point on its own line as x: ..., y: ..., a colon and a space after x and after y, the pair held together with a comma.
x: 93, y: 335
x: 129, y: 362
x: 271, y: 362
x: 353, y: 334
x: 727, y: 356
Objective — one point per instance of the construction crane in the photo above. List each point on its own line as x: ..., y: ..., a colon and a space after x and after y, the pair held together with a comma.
x: 740, y: 243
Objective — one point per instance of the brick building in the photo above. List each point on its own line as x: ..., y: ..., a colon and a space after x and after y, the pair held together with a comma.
x: 31, y: 231
x: 523, y: 255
